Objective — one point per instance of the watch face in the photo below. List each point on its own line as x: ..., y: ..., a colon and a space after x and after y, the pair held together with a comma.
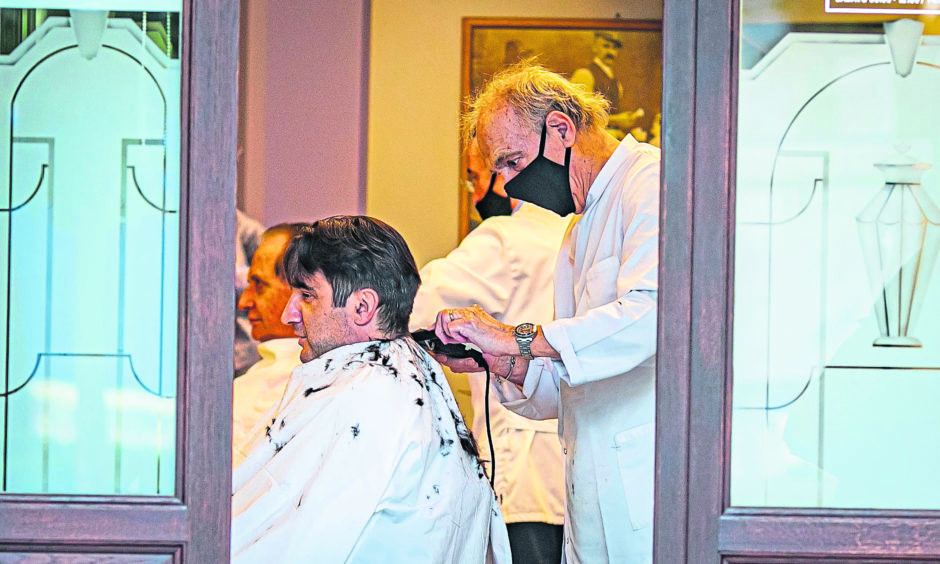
x: 524, y: 329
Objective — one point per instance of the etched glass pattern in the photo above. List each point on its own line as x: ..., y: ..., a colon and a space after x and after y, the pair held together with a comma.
x: 89, y: 250
x: 836, y: 343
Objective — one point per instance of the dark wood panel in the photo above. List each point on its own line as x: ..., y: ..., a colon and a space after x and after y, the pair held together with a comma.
x: 711, y: 265
x: 209, y: 296
x: 693, y: 272
x: 92, y: 522
x: 675, y: 284
x: 818, y: 560
x: 845, y: 533
x: 85, y: 557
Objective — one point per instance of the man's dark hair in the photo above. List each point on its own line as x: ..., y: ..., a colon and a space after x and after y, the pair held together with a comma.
x: 291, y: 230
x: 355, y: 252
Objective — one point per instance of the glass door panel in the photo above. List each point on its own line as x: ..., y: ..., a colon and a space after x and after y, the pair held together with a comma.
x: 836, y: 343
x: 89, y: 249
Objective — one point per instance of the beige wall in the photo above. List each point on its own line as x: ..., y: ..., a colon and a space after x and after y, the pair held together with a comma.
x: 307, y: 116
x: 414, y: 105
x: 303, y: 109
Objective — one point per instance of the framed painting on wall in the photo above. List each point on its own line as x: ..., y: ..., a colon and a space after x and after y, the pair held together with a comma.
x: 621, y: 59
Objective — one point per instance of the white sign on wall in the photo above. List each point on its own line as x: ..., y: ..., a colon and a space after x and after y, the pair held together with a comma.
x: 907, y: 7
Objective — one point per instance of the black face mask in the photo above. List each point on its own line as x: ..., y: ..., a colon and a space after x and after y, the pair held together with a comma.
x: 544, y: 183
x: 492, y: 203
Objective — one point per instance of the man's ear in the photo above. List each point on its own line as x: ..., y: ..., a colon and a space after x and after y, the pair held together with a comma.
x: 362, y: 306
x: 557, y: 121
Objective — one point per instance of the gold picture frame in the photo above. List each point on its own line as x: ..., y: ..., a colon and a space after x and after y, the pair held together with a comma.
x: 562, y: 45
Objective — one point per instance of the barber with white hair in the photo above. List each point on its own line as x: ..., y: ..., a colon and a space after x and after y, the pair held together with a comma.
x: 593, y: 366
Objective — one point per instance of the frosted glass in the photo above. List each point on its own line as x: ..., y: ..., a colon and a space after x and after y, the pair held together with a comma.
x: 836, y: 340
x: 89, y: 252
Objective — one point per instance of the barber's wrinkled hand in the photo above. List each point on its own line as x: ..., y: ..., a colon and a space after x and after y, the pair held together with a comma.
x: 458, y: 365
x: 500, y: 367
x: 473, y: 325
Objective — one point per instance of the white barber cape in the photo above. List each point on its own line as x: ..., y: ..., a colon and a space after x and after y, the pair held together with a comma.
x: 367, y: 460
x: 603, y: 388
x: 506, y: 266
x: 259, y: 390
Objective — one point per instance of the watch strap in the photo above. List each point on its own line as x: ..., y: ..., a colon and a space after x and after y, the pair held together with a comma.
x: 524, y: 334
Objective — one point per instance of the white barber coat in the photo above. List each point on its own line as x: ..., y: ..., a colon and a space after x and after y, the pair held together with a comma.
x: 367, y: 460
x: 506, y: 266
x: 258, y: 391
x: 603, y: 388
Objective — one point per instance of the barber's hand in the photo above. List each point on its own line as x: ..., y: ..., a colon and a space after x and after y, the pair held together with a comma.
x: 514, y: 372
x: 458, y: 365
x: 473, y: 325
x: 499, y: 367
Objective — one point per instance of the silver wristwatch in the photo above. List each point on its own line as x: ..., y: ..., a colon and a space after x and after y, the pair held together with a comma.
x: 524, y: 333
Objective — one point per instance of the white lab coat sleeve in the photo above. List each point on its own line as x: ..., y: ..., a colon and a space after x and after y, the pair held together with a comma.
x: 335, y: 474
x: 617, y: 331
x: 538, y: 398
x: 476, y: 272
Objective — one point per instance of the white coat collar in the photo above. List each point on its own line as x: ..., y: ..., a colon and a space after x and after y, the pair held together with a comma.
x: 279, y: 348
x: 609, y: 170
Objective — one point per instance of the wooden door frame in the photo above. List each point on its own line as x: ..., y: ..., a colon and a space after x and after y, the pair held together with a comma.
x: 693, y: 518
x: 694, y: 264
x: 194, y: 525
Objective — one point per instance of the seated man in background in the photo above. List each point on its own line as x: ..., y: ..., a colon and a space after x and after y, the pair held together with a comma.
x: 260, y: 388
x: 506, y: 266
x: 248, y: 233
x: 366, y: 458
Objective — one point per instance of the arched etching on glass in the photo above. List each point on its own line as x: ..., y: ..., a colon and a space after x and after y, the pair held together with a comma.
x: 816, y: 115
x: 89, y: 246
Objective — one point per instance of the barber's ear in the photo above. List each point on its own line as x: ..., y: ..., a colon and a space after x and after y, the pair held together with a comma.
x: 557, y: 121
x: 362, y: 306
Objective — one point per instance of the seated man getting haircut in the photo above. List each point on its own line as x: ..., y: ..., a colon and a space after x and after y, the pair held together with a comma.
x: 367, y: 458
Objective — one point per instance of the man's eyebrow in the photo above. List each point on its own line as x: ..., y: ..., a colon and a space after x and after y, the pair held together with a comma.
x: 502, y: 157
x: 302, y: 286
